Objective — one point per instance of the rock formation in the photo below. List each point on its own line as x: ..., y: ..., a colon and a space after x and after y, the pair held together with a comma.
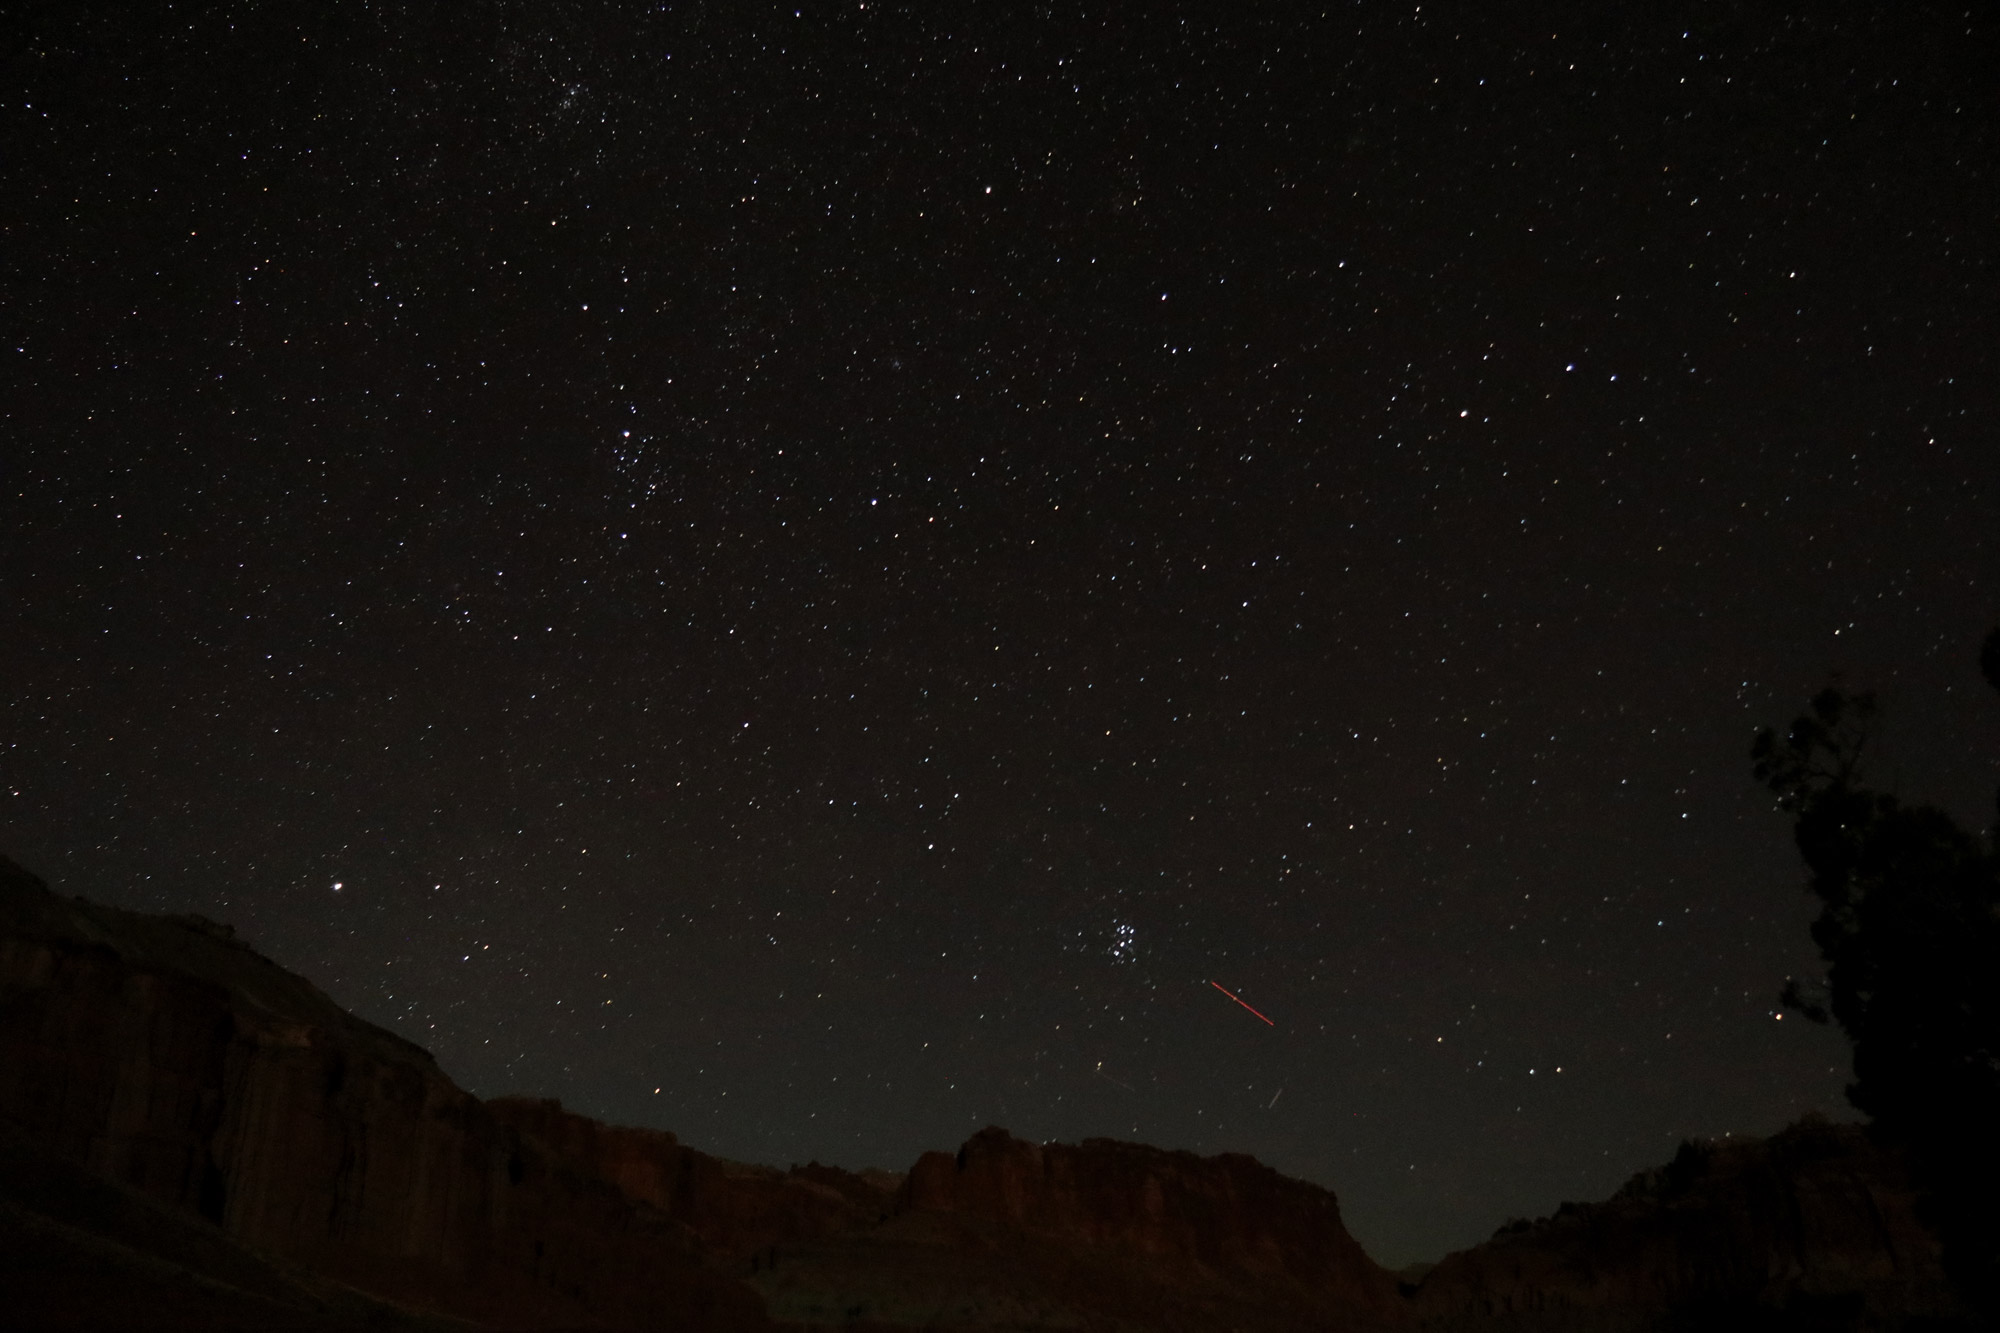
x: 163, y: 1056
x: 1224, y: 1219
x: 192, y: 1137
x: 731, y: 1209
x: 224, y: 1099
x: 1011, y: 1234
x: 1814, y: 1228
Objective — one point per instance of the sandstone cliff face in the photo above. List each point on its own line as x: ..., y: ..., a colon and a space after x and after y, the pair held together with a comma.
x: 732, y: 1209
x: 162, y: 1055
x: 78, y: 1252
x: 1227, y: 1217
x: 1009, y: 1234
x: 163, y: 1058
x: 192, y: 1137
x: 1812, y: 1229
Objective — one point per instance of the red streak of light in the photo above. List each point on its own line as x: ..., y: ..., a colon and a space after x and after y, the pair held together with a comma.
x: 1232, y: 995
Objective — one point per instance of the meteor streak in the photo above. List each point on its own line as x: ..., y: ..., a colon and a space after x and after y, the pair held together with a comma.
x: 1232, y: 995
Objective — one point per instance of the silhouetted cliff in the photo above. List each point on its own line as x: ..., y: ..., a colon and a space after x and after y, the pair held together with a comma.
x: 192, y: 1137
x: 1011, y: 1234
x: 1814, y: 1228
x: 1227, y: 1218
x: 228, y: 1100
x: 161, y: 1055
x: 732, y: 1209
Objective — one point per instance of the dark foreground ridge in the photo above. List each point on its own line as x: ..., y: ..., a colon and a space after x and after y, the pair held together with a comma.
x: 192, y: 1137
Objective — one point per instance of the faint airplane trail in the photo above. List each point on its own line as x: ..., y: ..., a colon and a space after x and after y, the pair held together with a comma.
x: 1232, y: 995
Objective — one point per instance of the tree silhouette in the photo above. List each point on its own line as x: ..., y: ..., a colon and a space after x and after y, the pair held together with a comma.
x: 1909, y: 929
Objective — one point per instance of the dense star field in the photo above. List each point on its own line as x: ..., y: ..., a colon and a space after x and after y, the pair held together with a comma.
x: 821, y: 576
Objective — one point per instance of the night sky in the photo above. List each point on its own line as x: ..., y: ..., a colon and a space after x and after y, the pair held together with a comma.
x: 812, y: 576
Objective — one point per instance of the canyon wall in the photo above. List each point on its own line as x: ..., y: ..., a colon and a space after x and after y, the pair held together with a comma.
x: 1814, y: 1228
x: 1229, y: 1217
x: 165, y: 1056
x: 192, y: 1137
x: 732, y: 1209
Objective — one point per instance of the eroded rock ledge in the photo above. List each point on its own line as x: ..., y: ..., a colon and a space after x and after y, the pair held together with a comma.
x: 192, y: 1137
